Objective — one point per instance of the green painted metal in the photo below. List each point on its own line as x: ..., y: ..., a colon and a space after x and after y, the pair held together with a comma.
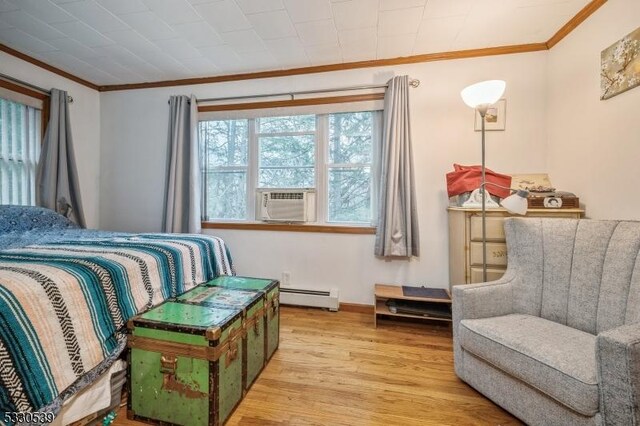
x: 198, y: 392
x: 241, y: 282
x: 272, y: 288
x: 188, y: 315
x: 230, y: 390
x: 250, y: 302
x: 149, y: 400
x: 171, y: 336
x: 273, y: 324
x: 255, y: 346
x: 219, y: 296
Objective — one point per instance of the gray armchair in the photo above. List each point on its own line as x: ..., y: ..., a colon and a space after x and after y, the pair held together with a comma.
x: 556, y: 341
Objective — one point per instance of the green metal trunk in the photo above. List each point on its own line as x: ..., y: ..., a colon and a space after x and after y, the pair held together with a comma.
x: 185, y: 364
x: 252, y: 305
x: 271, y: 288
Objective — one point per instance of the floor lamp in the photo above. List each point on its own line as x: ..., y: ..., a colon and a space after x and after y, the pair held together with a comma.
x: 481, y: 96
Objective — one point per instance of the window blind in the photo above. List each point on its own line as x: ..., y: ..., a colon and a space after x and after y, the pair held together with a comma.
x: 19, y: 152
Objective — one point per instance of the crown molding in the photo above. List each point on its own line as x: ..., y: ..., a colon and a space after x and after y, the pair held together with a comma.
x: 573, y: 23
x: 429, y: 57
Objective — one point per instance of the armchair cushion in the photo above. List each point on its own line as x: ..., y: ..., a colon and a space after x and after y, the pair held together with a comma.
x: 557, y: 360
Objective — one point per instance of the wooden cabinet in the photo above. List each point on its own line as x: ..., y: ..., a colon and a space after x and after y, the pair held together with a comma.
x: 465, y: 241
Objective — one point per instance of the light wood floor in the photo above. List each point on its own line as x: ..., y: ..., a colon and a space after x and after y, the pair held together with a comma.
x: 337, y: 369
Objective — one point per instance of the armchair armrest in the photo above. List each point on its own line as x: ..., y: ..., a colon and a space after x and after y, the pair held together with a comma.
x: 483, y: 300
x: 618, y: 359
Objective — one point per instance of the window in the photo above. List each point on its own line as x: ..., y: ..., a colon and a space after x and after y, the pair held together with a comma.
x: 225, y: 168
x: 349, y: 167
x: 287, y: 151
x: 19, y: 152
x: 333, y: 153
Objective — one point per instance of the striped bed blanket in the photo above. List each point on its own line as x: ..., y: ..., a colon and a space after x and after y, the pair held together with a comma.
x: 65, y: 302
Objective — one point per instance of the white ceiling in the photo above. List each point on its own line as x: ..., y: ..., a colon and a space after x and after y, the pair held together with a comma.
x: 130, y: 41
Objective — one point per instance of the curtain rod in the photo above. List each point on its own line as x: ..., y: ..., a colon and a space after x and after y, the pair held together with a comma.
x: 29, y: 85
x: 412, y: 82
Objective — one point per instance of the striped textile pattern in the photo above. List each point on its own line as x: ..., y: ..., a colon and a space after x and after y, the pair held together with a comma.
x: 64, y: 303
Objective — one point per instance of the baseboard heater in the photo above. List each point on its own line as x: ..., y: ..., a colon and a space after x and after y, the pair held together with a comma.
x: 313, y: 298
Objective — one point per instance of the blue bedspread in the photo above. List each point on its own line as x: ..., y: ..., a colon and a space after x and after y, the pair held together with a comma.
x: 66, y: 295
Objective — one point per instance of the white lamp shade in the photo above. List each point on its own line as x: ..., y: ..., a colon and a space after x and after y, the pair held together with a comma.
x: 516, y: 203
x: 483, y: 93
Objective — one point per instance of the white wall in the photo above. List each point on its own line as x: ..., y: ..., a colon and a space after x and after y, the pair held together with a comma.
x: 594, y: 145
x: 555, y: 123
x: 133, y: 160
x: 85, y: 125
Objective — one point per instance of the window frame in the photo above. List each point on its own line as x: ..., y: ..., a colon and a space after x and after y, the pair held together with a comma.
x: 321, y: 167
x: 258, y: 135
x: 43, y: 98
x: 29, y: 98
x: 204, y: 173
x: 375, y: 153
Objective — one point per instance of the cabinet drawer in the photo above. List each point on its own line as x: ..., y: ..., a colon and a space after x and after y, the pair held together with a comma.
x: 495, y: 228
x: 496, y: 254
x: 492, y: 274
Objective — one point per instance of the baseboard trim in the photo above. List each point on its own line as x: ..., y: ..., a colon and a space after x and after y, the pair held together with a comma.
x: 356, y: 307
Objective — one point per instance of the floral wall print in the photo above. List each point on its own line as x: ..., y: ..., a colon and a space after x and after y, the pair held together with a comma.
x: 620, y: 66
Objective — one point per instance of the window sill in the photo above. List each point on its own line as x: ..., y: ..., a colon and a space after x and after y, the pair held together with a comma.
x: 291, y: 227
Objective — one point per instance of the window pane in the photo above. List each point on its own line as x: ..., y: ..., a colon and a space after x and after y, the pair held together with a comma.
x: 350, y: 138
x: 294, y: 123
x: 287, y: 161
x: 287, y: 177
x: 224, y: 142
x: 226, y: 195
x: 19, y: 152
x: 287, y: 151
x: 350, y: 194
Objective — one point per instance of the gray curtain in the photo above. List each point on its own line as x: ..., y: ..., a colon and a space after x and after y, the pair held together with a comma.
x: 57, y: 186
x: 182, y: 199
x: 397, y: 233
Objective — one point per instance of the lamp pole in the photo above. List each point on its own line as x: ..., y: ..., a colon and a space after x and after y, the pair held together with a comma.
x: 480, y: 96
x: 482, y: 110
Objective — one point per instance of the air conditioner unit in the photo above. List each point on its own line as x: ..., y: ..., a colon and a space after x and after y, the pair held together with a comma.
x: 286, y: 205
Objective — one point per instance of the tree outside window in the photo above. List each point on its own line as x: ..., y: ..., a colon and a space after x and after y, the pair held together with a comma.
x: 286, y: 151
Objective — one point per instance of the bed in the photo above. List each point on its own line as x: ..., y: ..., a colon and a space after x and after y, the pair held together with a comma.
x: 66, y: 295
